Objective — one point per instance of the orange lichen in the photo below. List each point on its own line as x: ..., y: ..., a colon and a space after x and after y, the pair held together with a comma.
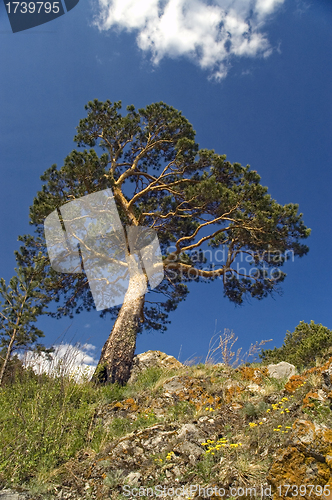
x: 128, y: 404
x: 324, y: 443
x: 196, y: 395
x: 295, y: 468
x: 294, y: 383
x: 309, y: 398
x: 304, y: 430
x: 117, y: 405
x: 303, y: 463
x: 131, y: 405
x: 297, y: 380
x: 231, y: 393
x: 253, y: 374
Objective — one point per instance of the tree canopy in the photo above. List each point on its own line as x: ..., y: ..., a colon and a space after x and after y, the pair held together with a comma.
x: 310, y: 342
x: 193, y: 198
x: 161, y: 179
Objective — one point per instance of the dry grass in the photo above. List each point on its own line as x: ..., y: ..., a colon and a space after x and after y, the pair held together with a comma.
x: 221, y: 348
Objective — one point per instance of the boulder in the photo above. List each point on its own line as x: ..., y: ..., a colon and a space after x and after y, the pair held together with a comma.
x: 190, y: 432
x: 11, y: 495
x: 152, y: 359
x: 282, y: 370
x: 173, y: 385
x: 327, y: 379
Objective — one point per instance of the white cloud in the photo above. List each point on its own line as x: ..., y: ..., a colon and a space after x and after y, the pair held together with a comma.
x: 208, y: 31
x: 74, y: 360
x: 265, y: 7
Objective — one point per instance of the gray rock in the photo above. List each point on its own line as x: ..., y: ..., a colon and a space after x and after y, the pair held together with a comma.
x: 152, y: 359
x: 189, y: 432
x: 11, y: 495
x: 173, y: 385
x: 326, y: 379
x: 203, y: 419
x: 133, y: 478
x: 281, y: 370
x: 254, y: 387
x: 157, y: 442
x: 189, y: 449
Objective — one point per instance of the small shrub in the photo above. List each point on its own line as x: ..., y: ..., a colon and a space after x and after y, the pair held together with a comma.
x: 301, y: 347
x: 250, y: 410
x: 181, y: 410
x: 114, y: 478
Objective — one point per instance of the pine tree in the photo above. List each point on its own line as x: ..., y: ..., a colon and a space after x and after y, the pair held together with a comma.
x: 191, y: 197
x: 22, y: 302
x: 309, y: 342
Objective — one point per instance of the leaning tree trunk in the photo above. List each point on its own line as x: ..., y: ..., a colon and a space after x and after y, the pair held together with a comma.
x: 8, y: 354
x: 11, y: 343
x: 118, y: 352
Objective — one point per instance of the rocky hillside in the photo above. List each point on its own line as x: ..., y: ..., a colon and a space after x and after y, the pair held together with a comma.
x: 205, y: 431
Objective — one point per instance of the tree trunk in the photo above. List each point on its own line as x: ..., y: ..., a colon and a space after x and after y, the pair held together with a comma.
x: 118, y: 352
x: 8, y: 354
x: 11, y: 343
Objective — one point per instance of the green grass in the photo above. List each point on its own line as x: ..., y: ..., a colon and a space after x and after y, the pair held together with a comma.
x: 182, y: 410
x: 45, y: 421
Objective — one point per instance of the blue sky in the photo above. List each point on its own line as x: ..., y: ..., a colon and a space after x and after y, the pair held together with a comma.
x: 267, y: 102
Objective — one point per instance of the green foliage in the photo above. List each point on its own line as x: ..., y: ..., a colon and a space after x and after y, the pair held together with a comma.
x: 148, y: 378
x: 22, y: 301
x: 100, y: 374
x: 114, y: 392
x: 161, y: 179
x: 320, y: 412
x: 204, y: 467
x: 193, y: 198
x: 44, y: 421
x: 120, y: 426
x: 114, y: 478
x: 252, y: 410
x: 182, y: 410
x: 302, y: 347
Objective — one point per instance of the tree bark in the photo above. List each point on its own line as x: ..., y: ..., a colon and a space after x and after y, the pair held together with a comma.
x: 11, y: 343
x: 118, y: 352
x: 8, y: 354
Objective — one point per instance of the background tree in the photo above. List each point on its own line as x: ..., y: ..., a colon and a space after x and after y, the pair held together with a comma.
x: 22, y: 302
x: 192, y: 197
x: 310, y: 342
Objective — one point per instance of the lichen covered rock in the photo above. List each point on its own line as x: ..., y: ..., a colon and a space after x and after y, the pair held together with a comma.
x: 152, y: 359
